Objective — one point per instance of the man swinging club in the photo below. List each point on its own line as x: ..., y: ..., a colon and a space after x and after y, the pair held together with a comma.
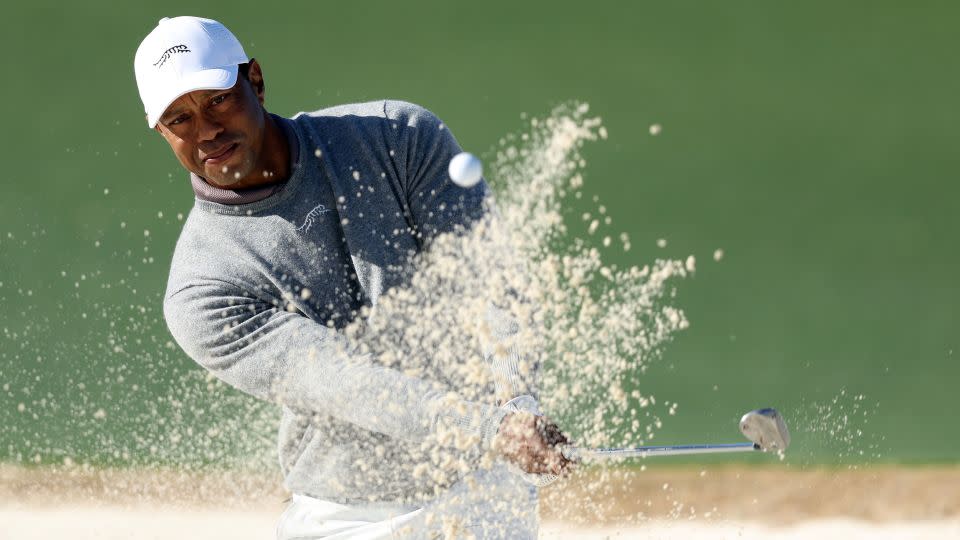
x: 278, y: 255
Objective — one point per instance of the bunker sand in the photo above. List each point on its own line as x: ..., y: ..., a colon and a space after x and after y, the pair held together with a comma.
x: 713, y: 502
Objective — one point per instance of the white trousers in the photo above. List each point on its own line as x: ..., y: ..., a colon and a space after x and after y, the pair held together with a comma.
x: 485, y: 505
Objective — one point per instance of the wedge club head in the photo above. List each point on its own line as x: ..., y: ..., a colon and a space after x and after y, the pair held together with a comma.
x: 766, y: 429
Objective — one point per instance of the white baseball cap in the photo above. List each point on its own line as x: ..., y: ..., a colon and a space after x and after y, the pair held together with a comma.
x: 183, y: 54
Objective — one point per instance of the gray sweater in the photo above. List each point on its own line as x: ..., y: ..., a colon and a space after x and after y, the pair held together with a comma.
x: 259, y: 292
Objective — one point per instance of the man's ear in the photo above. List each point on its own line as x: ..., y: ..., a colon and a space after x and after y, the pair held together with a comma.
x: 255, y: 76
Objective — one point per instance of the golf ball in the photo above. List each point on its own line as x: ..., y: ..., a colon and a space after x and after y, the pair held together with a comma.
x: 465, y: 169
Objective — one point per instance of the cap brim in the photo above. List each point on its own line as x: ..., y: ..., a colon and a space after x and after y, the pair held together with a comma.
x: 208, y: 79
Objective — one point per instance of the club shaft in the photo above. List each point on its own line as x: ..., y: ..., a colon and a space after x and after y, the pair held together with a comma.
x: 596, y: 454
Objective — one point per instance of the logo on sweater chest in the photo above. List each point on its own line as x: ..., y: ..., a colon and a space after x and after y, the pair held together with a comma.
x: 312, y: 216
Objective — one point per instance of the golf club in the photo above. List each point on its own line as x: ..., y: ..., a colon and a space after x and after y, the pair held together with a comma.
x: 765, y: 429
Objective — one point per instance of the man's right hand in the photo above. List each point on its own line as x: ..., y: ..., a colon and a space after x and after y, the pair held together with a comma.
x: 533, y: 443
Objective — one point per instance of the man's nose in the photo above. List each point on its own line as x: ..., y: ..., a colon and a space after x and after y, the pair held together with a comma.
x: 208, y: 128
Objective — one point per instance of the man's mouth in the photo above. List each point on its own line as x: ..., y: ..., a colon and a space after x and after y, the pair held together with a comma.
x: 220, y: 155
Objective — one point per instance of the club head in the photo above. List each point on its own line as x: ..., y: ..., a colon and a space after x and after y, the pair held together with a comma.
x: 766, y: 429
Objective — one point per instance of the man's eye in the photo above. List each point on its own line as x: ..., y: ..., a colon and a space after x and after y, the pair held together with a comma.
x: 178, y: 120
x: 218, y: 99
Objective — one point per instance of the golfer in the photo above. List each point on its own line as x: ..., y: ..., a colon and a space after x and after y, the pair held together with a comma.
x: 299, y: 225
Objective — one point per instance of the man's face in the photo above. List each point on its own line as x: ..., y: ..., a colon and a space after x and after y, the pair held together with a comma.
x: 219, y: 134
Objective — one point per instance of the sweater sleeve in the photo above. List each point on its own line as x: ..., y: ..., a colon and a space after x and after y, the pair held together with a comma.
x: 435, y: 203
x: 283, y: 356
x: 437, y: 206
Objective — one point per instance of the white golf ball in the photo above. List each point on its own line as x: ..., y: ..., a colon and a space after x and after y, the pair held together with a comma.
x: 465, y: 169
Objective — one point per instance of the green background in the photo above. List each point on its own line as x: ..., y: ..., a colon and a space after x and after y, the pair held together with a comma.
x: 814, y: 142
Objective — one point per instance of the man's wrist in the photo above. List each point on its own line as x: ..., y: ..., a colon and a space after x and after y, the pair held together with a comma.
x: 492, y: 427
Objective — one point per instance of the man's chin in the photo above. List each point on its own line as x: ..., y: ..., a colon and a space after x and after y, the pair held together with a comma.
x: 222, y: 182
x: 227, y: 179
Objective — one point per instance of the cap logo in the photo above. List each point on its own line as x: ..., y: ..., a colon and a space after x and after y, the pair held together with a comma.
x: 170, y: 52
